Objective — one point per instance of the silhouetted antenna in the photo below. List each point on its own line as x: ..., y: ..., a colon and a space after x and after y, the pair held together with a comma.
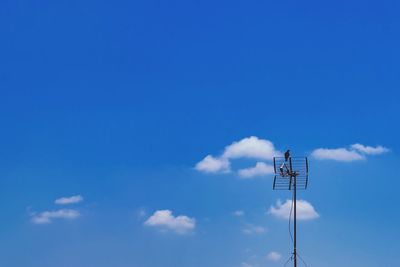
x: 291, y: 173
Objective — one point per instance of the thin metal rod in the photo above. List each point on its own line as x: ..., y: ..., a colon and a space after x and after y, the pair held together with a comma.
x: 293, y: 175
x: 294, y: 225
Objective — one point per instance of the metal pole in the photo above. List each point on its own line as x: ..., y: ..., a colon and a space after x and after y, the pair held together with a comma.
x: 295, y: 213
x: 294, y: 175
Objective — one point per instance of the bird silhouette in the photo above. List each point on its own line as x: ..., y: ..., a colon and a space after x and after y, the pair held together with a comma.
x: 287, y: 155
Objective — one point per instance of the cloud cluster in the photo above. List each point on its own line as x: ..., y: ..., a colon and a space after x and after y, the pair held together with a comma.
x: 165, y: 220
x: 305, y: 211
x: 261, y: 149
x: 353, y: 153
x: 46, y: 217
x: 251, y: 148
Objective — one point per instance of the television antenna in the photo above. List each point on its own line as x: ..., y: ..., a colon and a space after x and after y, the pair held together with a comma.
x: 291, y: 173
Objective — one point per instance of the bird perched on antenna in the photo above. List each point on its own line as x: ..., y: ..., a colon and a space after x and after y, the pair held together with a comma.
x: 287, y: 155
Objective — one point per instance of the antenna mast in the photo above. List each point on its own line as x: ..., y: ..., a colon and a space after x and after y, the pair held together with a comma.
x: 291, y: 173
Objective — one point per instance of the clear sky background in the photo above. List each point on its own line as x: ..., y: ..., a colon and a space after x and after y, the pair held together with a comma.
x: 115, y: 102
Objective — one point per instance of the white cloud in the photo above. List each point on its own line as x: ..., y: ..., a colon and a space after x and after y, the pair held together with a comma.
x: 245, y: 264
x: 69, y: 200
x: 48, y: 216
x: 238, y: 213
x: 353, y: 153
x: 274, y: 256
x: 251, y: 147
x: 261, y: 169
x: 338, y: 154
x: 369, y: 150
x: 251, y: 229
x: 305, y: 211
x: 166, y: 220
x: 211, y: 164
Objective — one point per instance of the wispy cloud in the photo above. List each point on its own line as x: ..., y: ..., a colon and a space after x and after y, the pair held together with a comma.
x: 69, y: 200
x: 46, y: 217
x: 338, y: 154
x: 274, y: 256
x: 252, y: 229
x: 370, y: 150
x: 353, y: 153
x: 238, y: 213
x: 164, y: 219
x: 260, y: 169
x: 305, y: 211
x: 141, y: 213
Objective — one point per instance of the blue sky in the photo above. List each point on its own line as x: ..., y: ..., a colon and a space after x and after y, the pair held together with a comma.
x: 116, y: 104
